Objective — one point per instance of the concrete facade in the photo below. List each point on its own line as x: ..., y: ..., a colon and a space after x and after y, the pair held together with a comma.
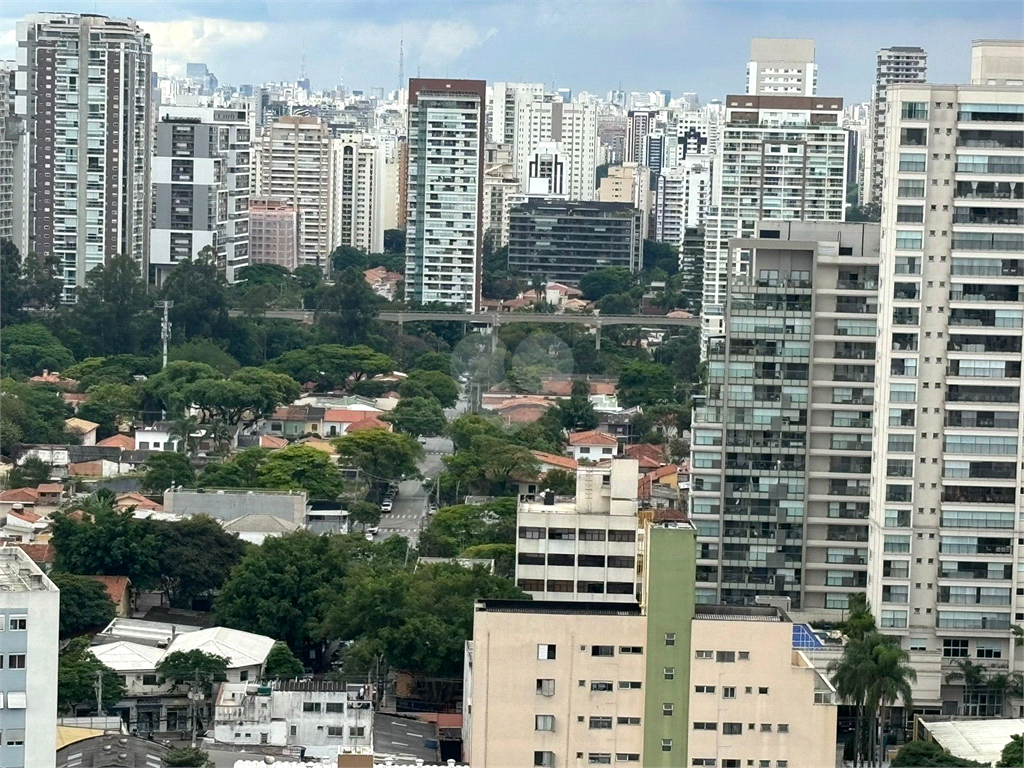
x: 357, y: 192
x: 781, y: 66
x: 273, y: 233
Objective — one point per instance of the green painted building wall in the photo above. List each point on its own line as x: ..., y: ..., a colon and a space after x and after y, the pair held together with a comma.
x: 670, y: 554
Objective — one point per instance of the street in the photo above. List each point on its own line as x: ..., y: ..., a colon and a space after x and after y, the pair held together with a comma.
x: 408, y: 515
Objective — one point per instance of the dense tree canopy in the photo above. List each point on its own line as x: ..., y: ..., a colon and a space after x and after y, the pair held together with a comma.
x: 380, y: 454
x: 32, y: 414
x: 114, y: 312
x: 332, y: 365
x: 30, y: 349
x: 418, y: 416
x: 604, y: 281
x: 84, y: 604
x: 77, y: 670
x: 436, y: 384
x: 164, y: 469
x: 193, y: 668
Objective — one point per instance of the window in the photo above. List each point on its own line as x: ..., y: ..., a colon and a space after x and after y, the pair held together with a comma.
x: 357, y: 731
x: 732, y: 729
x: 728, y: 692
x: 894, y: 619
x: 912, y: 162
x: 910, y: 188
x: 602, y: 650
x: 600, y: 723
x: 628, y: 720
x: 334, y: 706
x: 545, y: 686
x: 150, y: 680
x: 725, y: 657
x: 986, y: 649
x: 705, y: 654
x: 918, y: 644
x: 670, y: 673
x: 670, y: 638
x: 627, y: 757
x: 782, y: 763
x: 914, y: 110
x: 545, y: 651
x: 18, y: 623
x: 599, y: 758
x: 311, y: 706
x: 544, y: 723
x: 336, y: 730
x: 531, y: 558
x: 294, y: 730
x: 621, y: 535
x: 783, y: 728
x: 954, y: 648
x: 705, y: 726
x: 766, y: 727
x: 601, y: 685
x: 636, y: 650
x: 666, y: 745
x: 526, y: 532
x: 591, y: 534
x: 908, y: 240
x: 544, y: 759
x: 618, y: 561
x: 562, y: 534
x: 703, y: 760
x: 17, y: 700
x: 744, y: 655
x: 762, y: 690
x: 585, y: 561
x: 15, y: 738
x: 730, y: 762
x: 243, y: 675
x: 630, y: 685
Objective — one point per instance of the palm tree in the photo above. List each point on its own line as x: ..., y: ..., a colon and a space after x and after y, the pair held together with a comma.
x: 976, y: 678
x: 852, y: 675
x: 183, y: 431
x: 891, y: 683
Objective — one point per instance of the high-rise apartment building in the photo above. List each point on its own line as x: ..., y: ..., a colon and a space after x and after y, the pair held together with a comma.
x: 782, y: 157
x: 12, y: 131
x: 947, y: 518
x: 29, y: 619
x: 510, y: 103
x: 781, y: 67
x: 500, y: 185
x: 545, y: 171
x: 83, y: 89
x: 585, y: 549
x: 201, y: 180
x: 639, y: 123
x: 562, y: 241
x: 273, y: 233
x: 682, y: 199
x: 444, y: 232
x: 899, y: 64
x: 781, y: 453
x: 357, y: 192
x: 295, y: 163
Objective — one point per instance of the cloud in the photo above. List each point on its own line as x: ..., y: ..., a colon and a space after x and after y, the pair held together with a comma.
x: 199, y: 39
x: 430, y: 43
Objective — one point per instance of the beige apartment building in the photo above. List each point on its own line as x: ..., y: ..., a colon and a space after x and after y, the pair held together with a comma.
x: 273, y: 233
x: 754, y: 699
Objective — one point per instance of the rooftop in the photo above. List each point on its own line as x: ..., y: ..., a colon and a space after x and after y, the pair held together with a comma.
x: 18, y: 573
x: 592, y: 437
x: 981, y: 740
x: 558, y: 607
x: 740, y: 613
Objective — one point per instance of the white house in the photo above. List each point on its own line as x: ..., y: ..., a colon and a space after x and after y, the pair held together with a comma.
x: 593, y: 445
x: 155, y: 437
x: 307, y: 713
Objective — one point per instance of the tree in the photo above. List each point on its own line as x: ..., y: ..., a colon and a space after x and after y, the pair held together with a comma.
x: 33, y: 414
x: 249, y: 392
x: 302, y: 468
x: 1013, y: 753
x: 114, y: 311
x: 187, y: 757
x: 645, y: 384
x: 365, y: 514
x: 892, y: 681
x: 457, y: 528
x: 84, y: 604
x: 308, y: 276
x: 194, y: 667
x: 380, y: 454
x: 559, y: 481
x: 577, y: 412
x: 110, y: 404
x: 165, y: 391
x: 348, y: 309
x: 432, y: 361
x: 199, y: 292
x: 106, y: 541
x: 282, y: 663
x: 394, y: 241
x: 29, y: 473
x: 242, y: 471
x: 77, y: 671
x: 434, y: 384
x: 418, y: 416
x: 115, y: 369
x: 503, y: 555
x: 601, y: 282
x: 663, y: 256
x: 201, y: 350
x: 264, y: 274
x: 618, y: 304
x: 859, y: 622
x: 164, y: 469
x: 12, y: 289
x: 332, y: 365
x: 346, y: 257
x: 196, y: 557
x: 930, y: 754
x: 185, y: 433
x: 31, y: 348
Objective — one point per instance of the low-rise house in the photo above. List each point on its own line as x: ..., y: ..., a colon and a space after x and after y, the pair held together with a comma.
x: 660, y: 487
x: 21, y: 525
x: 648, y: 456
x: 85, y: 430
x: 296, y: 421
x: 55, y: 379
x: 592, y: 445
x: 120, y: 440
x: 155, y: 437
x: 255, y: 528
x: 304, y: 713
x: 42, y: 553
x: 371, y: 423
x: 137, y: 501
x: 228, y: 504
x: 524, y: 409
x: 54, y: 454
x: 530, y: 486
x: 119, y: 590
x: 383, y: 283
x: 619, y: 423
x: 43, y: 499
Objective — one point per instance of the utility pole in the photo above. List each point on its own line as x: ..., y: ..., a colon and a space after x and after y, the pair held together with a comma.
x: 193, y: 695
x: 99, y: 692
x: 165, y: 326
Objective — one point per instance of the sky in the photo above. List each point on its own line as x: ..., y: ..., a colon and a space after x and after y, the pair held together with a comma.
x: 698, y: 46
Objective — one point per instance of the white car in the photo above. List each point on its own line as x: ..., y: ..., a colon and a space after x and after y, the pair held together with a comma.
x: 385, y: 505
x: 373, y: 530
x: 369, y: 537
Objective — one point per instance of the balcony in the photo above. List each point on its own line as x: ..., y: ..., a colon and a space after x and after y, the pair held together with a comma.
x: 1004, y: 293
x: 958, y: 393
x: 994, y: 216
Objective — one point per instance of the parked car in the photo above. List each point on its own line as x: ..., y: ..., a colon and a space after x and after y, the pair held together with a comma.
x: 385, y: 505
x: 373, y: 530
x: 432, y: 508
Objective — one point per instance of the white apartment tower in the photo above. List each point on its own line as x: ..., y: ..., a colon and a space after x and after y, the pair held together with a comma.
x: 83, y: 89
x: 781, y: 67
x: 500, y: 185
x: 782, y: 157
x: 899, y: 64
x: 946, y: 572
x: 545, y: 171
x: 11, y: 132
x: 444, y: 233
x: 29, y: 619
x: 201, y: 179
x: 682, y: 200
x: 357, y: 192
x: 295, y: 167
x: 639, y: 123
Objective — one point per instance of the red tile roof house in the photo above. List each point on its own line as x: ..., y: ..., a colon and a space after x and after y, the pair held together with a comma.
x: 648, y: 456
x: 546, y: 462
x: 592, y: 445
x: 119, y: 591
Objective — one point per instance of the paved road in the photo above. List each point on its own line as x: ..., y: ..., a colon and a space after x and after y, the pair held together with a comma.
x: 409, y: 513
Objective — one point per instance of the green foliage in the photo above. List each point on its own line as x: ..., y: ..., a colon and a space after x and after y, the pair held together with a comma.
x: 115, y: 369
x: 1013, y: 753
x: 199, y: 292
x: 859, y: 622
x: 463, y: 429
x: 85, y: 605
x: 264, y: 274
x: 242, y: 471
x: 503, y: 555
x: 308, y: 276
x: 77, y: 676
x: 114, y: 312
x: 165, y: 391
x: 394, y: 241
x: 282, y: 663
x: 108, y: 405
x: 454, y: 529
x: 418, y: 416
x: 559, y: 481
x: 645, y: 384
x: 302, y: 468
x: 869, y: 212
x: 196, y: 556
x: 162, y: 469
x: 346, y: 257
x: 331, y: 365
x: 365, y: 514
x: 618, y: 304
x: 248, y: 393
x: 29, y: 473
x: 604, y: 281
x: 928, y: 754
x: 32, y: 414
x: 663, y: 256
x: 201, y: 350
x: 347, y: 311
x: 32, y: 283
x: 490, y: 466
x: 193, y: 668
x: 380, y: 454
x: 432, y: 361
x: 187, y: 757
x: 577, y: 412
x: 440, y: 386
x: 30, y: 349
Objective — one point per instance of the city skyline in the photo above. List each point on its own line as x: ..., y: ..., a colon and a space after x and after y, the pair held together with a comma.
x: 357, y: 42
